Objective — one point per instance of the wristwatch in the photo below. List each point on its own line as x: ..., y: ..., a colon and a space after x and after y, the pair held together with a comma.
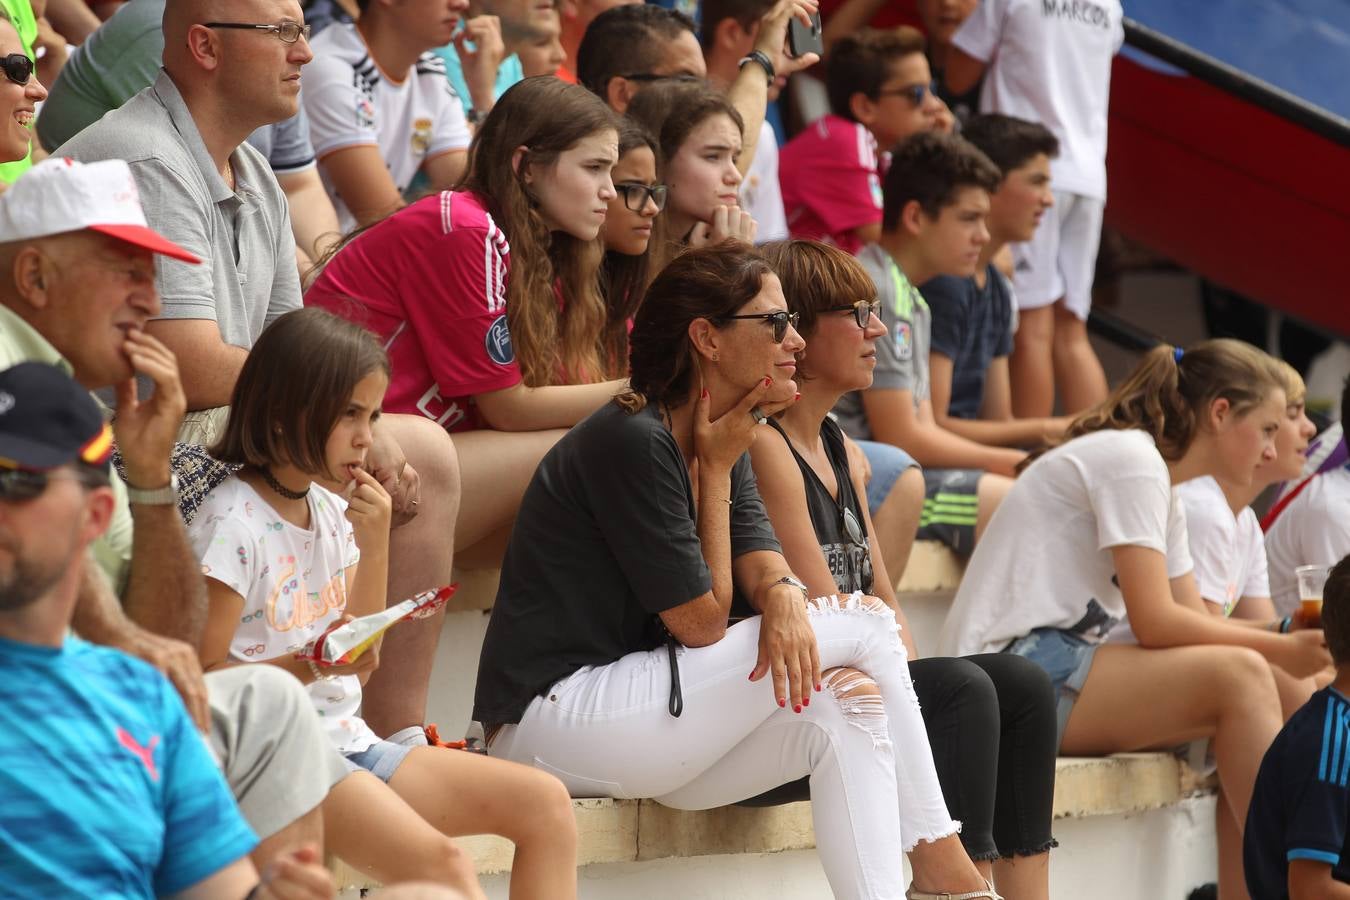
x: 164, y: 496
x: 794, y: 582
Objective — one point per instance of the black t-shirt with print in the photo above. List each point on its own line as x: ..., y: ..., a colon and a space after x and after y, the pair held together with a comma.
x: 606, y: 538
x: 836, y: 519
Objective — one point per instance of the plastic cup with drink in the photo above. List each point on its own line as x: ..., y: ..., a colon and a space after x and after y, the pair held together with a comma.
x: 1311, y: 580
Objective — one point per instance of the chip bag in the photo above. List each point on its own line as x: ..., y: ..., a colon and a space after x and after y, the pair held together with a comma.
x: 344, y: 642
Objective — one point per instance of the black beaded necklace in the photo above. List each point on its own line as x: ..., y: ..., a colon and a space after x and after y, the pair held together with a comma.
x: 279, y: 487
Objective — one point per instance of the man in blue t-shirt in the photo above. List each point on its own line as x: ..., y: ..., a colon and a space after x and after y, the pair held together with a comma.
x: 973, y: 319
x: 109, y: 790
x: 1297, y: 841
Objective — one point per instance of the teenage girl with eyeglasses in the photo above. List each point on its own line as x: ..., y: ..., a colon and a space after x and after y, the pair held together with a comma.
x: 301, y: 535
x: 990, y: 718
x: 464, y: 287
x: 627, y: 233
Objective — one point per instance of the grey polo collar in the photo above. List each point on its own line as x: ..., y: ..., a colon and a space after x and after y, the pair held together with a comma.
x: 169, y: 97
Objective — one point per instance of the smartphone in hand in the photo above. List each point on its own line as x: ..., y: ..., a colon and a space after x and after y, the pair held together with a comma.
x: 804, y: 39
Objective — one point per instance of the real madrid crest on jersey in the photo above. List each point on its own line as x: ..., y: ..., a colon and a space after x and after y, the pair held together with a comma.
x: 421, y: 136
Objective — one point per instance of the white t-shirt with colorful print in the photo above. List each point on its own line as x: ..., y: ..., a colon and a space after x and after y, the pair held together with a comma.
x: 293, y: 581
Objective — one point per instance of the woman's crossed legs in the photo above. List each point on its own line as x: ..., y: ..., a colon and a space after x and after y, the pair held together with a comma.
x: 607, y: 732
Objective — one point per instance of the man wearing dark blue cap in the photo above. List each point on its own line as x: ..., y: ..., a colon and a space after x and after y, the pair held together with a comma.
x: 109, y: 789
x: 79, y: 266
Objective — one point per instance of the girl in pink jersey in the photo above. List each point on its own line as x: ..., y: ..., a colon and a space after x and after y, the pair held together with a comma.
x: 297, y: 540
x: 463, y: 287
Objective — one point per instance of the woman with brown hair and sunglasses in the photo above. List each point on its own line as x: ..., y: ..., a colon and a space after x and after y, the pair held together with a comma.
x: 990, y: 718
x: 611, y: 658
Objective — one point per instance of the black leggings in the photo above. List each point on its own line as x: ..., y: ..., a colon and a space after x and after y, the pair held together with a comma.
x: 991, y: 723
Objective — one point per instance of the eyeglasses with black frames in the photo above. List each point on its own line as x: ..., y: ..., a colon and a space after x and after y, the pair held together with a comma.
x: 862, y: 311
x: 636, y: 194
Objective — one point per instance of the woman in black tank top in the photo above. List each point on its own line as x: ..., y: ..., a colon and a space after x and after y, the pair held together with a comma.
x: 991, y: 718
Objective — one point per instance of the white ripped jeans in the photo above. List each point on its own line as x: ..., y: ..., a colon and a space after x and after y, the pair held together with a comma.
x: 606, y: 732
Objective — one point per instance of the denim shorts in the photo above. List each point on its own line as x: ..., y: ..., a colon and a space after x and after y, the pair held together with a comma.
x: 1066, y: 658
x: 888, y: 463
x: 381, y: 759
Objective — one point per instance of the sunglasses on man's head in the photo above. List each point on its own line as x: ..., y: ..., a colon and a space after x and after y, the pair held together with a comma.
x: 20, y: 485
x: 18, y: 68
x: 779, y: 320
x: 862, y: 311
x: 635, y: 194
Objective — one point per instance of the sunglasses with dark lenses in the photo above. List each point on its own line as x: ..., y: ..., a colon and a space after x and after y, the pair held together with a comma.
x: 779, y: 320
x: 636, y: 194
x: 18, y: 68
x: 682, y: 78
x: 20, y: 485
x: 862, y: 311
x: 913, y: 92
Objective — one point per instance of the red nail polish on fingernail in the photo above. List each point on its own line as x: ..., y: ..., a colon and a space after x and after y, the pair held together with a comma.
x: 817, y: 688
x: 705, y: 393
x: 797, y: 708
x: 782, y: 702
x: 768, y: 382
x: 798, y: 397
x: 806, y: 701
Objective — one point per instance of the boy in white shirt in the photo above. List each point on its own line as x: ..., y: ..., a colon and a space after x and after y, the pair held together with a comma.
x: 1049, y: 61
x: 381, y: 109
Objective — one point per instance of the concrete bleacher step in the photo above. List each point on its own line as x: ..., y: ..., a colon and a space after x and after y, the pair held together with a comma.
x: 633, y: 831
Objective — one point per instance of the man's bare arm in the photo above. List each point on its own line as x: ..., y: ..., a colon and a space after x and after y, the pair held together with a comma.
x: 165, y: 590
x: 99, y: 619
x: 215, y: 365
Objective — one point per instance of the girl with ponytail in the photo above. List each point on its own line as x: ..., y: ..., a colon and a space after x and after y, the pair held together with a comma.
x: 1092, y: 532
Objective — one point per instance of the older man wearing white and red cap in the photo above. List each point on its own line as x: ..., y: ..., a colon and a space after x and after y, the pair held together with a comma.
x: 77, y: 285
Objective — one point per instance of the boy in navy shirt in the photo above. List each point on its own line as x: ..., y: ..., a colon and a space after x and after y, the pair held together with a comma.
x: 973, y: 315
x: 1295, y: 844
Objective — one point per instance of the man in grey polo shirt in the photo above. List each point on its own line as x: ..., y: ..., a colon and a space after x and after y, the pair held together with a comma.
x: 207, y: 191
x: 204, y: 188
x: 122, y: 58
